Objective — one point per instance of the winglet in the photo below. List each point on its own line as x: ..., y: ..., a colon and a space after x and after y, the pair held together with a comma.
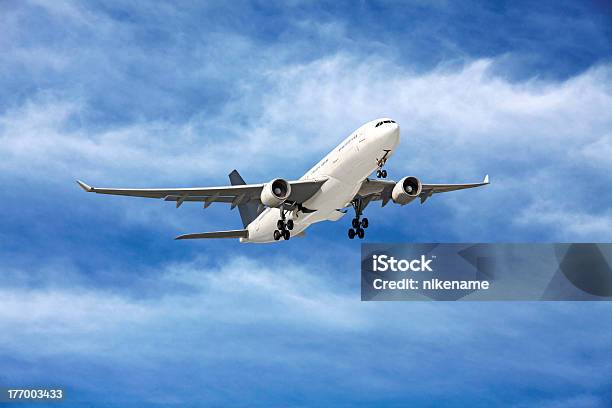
x: 84, y: 186
x: 486, y: 179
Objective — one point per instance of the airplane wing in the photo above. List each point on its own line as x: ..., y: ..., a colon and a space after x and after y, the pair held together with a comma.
x: 301, y: 191
x: 430, y: 189
x: 375, y: 190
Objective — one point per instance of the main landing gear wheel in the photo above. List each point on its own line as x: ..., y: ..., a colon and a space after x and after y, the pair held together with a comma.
x: 284, y: 226
x: 360, y: 233
x: 281, y: 225
x: 357, y: 223
x: 282, y: 233
x: 364, y: 223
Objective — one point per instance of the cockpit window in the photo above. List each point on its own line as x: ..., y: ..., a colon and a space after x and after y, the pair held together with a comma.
x: 384, y: 121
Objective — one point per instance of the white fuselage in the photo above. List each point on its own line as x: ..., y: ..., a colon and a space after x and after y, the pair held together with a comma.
x: 345, y: 168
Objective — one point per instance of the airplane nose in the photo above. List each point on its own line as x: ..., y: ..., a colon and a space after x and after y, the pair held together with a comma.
x: 392, y: 135
x: 387, y: 134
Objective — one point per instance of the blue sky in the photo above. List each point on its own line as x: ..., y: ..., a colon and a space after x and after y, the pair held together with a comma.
x: 96, y: 296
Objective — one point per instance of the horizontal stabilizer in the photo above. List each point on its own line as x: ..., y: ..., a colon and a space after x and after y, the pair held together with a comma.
x: 216, y: 234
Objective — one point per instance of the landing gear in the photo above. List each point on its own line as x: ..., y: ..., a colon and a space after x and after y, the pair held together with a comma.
x: 281, y: 224
x: 381, y: 173
x: 284, y: 226
x: 357, y: 223
x: 359, y: 232
x: 364, y: 223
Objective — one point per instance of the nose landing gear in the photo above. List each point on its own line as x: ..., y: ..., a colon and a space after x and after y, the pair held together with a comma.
x: 380, y: 173
x: 359, y: 225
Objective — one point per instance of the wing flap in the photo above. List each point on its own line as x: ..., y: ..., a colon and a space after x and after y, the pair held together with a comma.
x: 303, y: 190
x: 369, y: 186
x: 210, y: 199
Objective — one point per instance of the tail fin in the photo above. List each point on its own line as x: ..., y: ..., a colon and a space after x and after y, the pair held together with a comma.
x: 248, y: 211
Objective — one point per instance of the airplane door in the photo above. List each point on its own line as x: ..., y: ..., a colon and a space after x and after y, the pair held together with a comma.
x: 335, y: 158
x: 360, y: 139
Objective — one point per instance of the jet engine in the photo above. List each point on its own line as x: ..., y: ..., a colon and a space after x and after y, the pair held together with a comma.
x: 406, y: 190
x: 275, y: 192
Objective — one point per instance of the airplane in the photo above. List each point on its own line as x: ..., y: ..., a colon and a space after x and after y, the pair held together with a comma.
x: 341, y: 180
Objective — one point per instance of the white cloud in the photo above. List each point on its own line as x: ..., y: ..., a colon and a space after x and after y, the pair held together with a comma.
x: 276, y: 315
x: 458, y: 122
x: 307, y: 108
x: 459, y: 114
x: 239, y: 292
x: 572, y: 223
x: 280, y: 316
x: 598, y: 152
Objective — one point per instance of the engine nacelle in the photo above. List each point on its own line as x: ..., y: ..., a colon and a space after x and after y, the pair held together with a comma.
x: 275, y: 192
x: 406, y: 190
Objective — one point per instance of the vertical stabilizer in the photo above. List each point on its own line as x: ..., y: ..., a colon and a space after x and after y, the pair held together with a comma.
x: 248, y: 211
